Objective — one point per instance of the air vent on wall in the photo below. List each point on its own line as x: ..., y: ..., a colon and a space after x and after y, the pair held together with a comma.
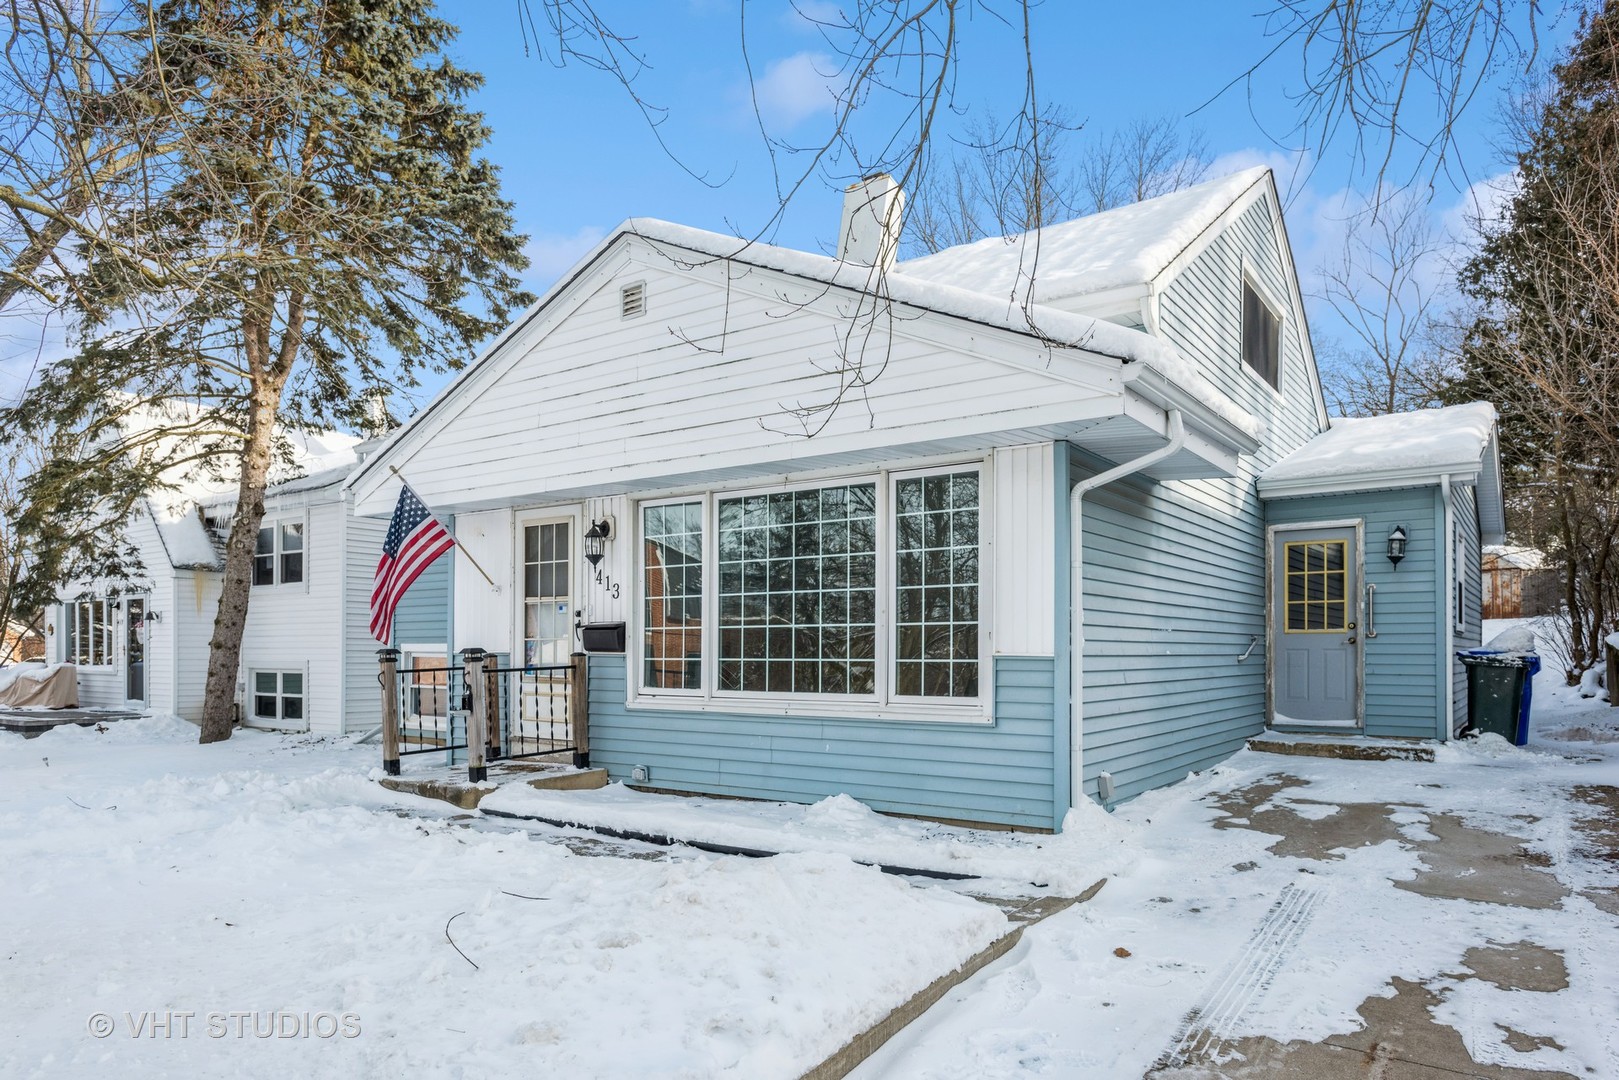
x: 633, y: 300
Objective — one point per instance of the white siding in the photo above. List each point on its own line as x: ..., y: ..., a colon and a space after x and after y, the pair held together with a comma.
x: 299, y: 626
x: 617, y: 565
x: 196, y: 601
x: 362, y: 547
x: 706, y: 381
x: 1023, y: 581
x: 483, y: 613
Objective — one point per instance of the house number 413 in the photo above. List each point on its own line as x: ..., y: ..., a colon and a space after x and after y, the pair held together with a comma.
x: 605, y: 580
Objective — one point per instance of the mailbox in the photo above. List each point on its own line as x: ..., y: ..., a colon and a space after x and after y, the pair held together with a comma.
x: 607, y: 637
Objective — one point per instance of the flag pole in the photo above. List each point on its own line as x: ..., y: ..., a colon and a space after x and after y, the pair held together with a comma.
x: 458, y: 545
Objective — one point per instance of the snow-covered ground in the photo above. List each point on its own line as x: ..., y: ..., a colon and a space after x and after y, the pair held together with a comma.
x: 270, y: 889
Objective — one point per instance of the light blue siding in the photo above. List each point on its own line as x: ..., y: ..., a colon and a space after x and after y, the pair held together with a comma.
x: 423, y: 614
x: 1465, y: 502
x: 1402, y: 693
x: 1175, y: 572
x: 1000, y: 773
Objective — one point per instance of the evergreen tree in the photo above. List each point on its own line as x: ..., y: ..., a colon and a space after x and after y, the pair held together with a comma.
x: 1546, y: 347
x: 315, y: 228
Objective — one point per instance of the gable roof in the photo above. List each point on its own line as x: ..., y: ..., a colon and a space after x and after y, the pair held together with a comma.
x: 1158, y: 370
x: 1128, y: 245
x: 1399, y: 450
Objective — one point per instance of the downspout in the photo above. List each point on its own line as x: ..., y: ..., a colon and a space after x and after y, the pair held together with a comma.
x: 1448, y: 659
x: 1176, y: 428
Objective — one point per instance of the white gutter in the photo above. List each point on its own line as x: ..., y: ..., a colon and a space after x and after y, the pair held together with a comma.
x: 1176, y: 429
x: 1449, y: 662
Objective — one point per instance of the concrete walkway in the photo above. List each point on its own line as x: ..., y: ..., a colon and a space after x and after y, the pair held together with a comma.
x: 1401, y: 1037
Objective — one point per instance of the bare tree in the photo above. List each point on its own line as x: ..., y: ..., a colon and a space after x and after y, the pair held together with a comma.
x: 1148, y: 157
x: 990, y: 187
x: 1394, y: 76
x: 1383, y: 287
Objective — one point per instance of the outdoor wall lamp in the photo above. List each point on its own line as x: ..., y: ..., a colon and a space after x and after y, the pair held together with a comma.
x: 596, y: 538
x: 1397, y: 540
x: 153, y: 616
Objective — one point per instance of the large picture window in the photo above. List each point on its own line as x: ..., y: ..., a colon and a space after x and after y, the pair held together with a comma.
x: 865, y: 589
x: 936, y: 586
x: 89, y: 633
x: 798, y: 591
x: 278, y: 555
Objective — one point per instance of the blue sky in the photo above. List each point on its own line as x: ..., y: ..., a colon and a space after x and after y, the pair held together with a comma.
x: 577, y: 157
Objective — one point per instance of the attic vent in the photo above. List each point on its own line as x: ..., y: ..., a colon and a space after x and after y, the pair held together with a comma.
x: 633, y: 300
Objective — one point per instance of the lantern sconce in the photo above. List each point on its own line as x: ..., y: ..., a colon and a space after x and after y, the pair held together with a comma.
x: 596, y: 538
x: 1397, y: 540
x: 154, y: 616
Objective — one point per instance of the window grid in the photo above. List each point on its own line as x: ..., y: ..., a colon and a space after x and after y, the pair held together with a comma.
x: 798, y: 591
x: 1317, y: 579
x: 89, y: 633
x: 278, y: 695
x: 936, y: 578
x: 547, y: 625
x: 672, y: 606
x: 278, y: 553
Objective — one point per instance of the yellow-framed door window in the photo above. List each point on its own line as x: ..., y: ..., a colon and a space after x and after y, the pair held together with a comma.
x: 1316, y: 577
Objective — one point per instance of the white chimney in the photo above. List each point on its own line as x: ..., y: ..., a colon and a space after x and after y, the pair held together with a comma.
x: 873, y: 210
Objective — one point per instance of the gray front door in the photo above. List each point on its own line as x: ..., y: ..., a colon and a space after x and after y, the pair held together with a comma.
x: 135, y: 649
x: 1315, y: 643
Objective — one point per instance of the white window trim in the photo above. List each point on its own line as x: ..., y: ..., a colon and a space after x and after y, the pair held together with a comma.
x: 71, y: 634
x: 543, y: 516
x: 407, y: 657
x: 709, y: 600
x: 1458, y: 598
x: 882, y: 705
x: 1247, y: 277
x: 274, y: 521
x: 253, y: 718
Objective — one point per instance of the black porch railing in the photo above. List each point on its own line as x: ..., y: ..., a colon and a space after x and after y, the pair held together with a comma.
x: 537, y: 710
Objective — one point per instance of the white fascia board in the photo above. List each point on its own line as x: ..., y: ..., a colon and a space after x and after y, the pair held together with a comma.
x: 1370, y: 480
x: 1153, y: 386
x: 1104, y: 303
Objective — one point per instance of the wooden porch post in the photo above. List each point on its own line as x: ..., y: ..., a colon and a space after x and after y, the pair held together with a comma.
x: 492, y: 706
x: 579, y: 709
x: 477, y: 718
x: 388, y: 661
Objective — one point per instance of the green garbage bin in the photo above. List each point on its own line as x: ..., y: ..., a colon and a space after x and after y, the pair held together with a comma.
x: 1495, y: 693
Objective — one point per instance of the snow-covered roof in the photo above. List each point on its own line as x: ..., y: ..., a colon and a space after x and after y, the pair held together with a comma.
x: 1425, y: 443
x: 1400, y: 450
x: 1128, y: 245
x: 318, y: 459
x: 1521, y: 558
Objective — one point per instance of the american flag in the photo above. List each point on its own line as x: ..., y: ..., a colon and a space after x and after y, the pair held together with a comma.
x: 415, y: 539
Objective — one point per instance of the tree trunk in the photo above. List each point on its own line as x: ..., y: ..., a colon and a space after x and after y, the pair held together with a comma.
x: 225, y: 648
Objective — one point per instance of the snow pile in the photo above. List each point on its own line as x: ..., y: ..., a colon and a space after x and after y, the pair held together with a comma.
x: 1516, y: 640
x: 269, y: 877
x: 31, y: 672
x: 1066, y: 863
x: 1424, y: 441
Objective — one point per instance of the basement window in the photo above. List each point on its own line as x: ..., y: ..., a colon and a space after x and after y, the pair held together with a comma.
x: 632, y: 300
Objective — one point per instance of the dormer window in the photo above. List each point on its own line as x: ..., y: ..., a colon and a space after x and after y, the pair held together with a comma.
x: 1261, y: 336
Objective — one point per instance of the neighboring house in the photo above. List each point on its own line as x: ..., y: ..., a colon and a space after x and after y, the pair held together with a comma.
x: 21, y: 642
x: 1517, y: 583
x: 308, y: 662
x: 1023, y: 562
